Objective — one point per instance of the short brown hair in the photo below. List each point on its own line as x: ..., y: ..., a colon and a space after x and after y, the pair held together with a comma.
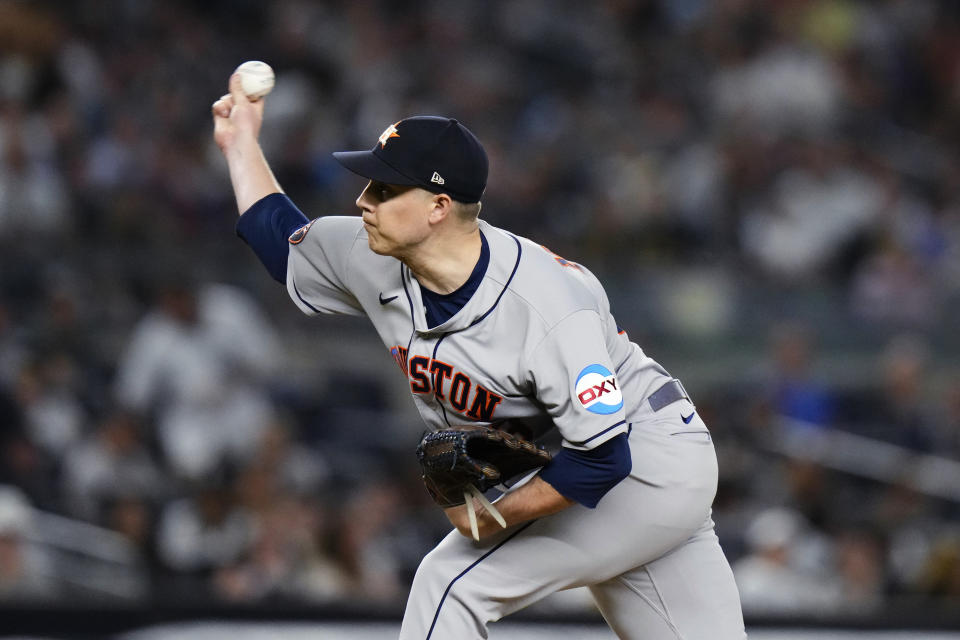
x: 467, y: 211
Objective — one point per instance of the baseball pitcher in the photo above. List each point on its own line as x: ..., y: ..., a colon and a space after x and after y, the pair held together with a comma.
x: 492, y: 329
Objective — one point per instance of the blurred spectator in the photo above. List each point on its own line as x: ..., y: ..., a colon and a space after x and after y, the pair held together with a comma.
x: 33, y: 196
x: 299, y: 469
x: 770, y: 583
x: 941, y: 576
x: 134, y: 517
x: 285, y: 559
x: 110, y: 463
x: 892, y: 288
x: 860, y: 566
x: 25, y: 571
x: 45, y: 391
x: 364, y: 542
x: 910, y: 524
x: 203, y: 532
x: 788, y: 380
x: 812, y: 210
x: 811, y: 492
x: 197, y: 363
x: 286, y: 556
x: 119, y: 157
x: 25, y: 465
x: 899, y: 409
x: 775, y: 84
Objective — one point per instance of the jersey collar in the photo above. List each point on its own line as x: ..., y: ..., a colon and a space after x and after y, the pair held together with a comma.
x: 505, y: 254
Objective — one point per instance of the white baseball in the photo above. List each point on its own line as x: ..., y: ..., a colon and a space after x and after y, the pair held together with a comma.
x: 256, y: 78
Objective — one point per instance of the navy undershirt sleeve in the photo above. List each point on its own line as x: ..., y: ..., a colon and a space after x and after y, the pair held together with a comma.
x: 266, y: 226
x: 586, y: 476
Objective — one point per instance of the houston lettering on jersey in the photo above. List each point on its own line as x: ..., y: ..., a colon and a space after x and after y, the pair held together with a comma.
x: 448, y: 384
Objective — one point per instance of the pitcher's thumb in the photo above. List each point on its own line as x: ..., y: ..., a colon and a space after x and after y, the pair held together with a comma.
x: 236, y: 89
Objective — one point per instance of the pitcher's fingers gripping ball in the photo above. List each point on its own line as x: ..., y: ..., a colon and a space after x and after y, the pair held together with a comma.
x: 459, y: 464
x: 235, y: 116
x: 256, y: 78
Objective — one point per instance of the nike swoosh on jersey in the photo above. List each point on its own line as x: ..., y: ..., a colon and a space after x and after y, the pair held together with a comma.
x: 386, y: 300
x: 687, y: 419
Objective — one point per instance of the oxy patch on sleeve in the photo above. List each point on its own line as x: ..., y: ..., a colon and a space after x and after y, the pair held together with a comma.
x: 598, y: 390
x: 297, y: 236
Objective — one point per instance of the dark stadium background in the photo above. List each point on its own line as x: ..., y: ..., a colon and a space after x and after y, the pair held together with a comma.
x: 770, y: 191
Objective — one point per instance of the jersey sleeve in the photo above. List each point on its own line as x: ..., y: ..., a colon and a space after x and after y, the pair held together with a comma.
x: 576, y: 381
x: 318, y: 267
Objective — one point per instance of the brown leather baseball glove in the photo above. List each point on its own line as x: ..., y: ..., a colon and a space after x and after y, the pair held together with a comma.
x: 461, y: 463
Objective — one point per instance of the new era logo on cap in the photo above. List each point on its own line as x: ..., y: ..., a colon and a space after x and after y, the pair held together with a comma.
x: 437, y: 154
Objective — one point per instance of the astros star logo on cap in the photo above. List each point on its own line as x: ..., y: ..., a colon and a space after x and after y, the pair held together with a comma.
x: 437, y: 154
x: 389, y: 132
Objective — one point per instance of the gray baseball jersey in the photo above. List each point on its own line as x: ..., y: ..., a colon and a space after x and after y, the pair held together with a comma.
x: 537, y: 339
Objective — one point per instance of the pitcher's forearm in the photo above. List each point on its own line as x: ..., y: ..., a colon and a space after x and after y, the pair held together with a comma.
x: 533, y: 500
x: 250, y: 174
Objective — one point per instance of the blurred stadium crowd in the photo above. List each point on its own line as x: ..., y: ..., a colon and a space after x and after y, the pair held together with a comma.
x: 771, y: 191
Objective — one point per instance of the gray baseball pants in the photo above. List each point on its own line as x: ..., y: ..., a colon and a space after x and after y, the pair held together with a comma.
x: 648, y: 553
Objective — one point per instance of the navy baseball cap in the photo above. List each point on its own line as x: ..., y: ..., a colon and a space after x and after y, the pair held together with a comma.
x: 433, y: 153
